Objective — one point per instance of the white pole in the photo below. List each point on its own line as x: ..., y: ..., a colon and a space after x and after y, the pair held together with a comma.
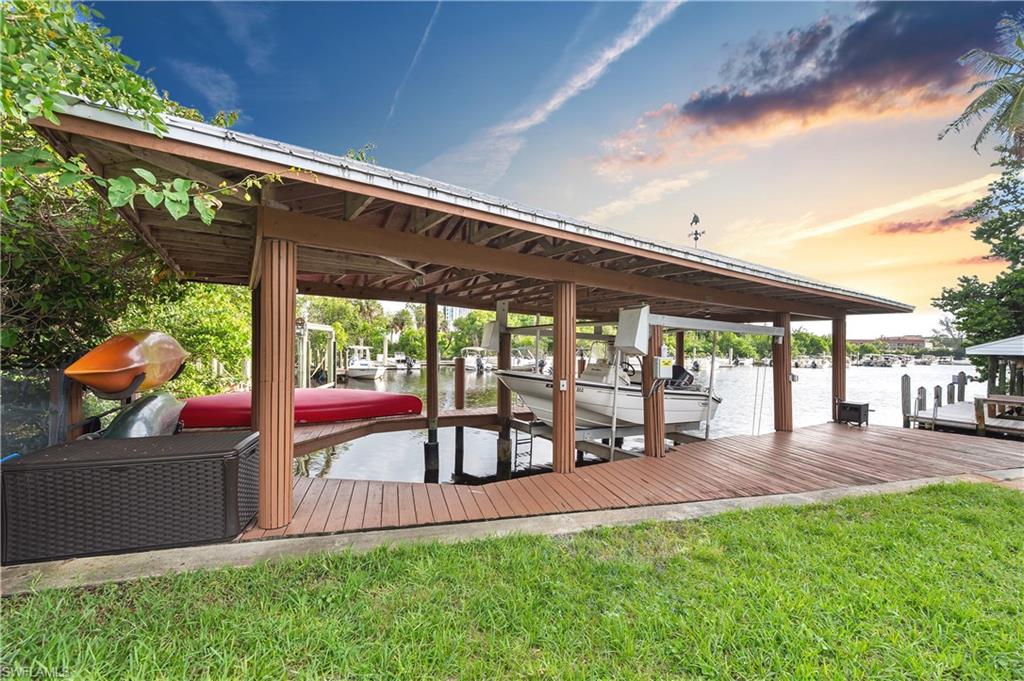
x: 615, y: 400
x: 711, y: 386
x: 536, y: 344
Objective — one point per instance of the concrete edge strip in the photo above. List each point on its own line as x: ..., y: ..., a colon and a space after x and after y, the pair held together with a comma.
x: 96, y: 570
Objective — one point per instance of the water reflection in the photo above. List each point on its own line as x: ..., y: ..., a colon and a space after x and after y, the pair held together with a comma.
x: 399, y: 456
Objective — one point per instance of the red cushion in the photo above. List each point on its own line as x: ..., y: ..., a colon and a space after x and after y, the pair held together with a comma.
x: 312, y: 405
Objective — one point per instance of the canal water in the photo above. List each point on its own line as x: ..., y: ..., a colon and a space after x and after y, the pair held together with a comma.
x: 399, y: 456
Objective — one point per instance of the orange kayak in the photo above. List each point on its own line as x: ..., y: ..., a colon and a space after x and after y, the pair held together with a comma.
x: 112, y: 365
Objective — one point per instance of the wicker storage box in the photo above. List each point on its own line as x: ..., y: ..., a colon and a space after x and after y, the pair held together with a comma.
x: 109, y: 496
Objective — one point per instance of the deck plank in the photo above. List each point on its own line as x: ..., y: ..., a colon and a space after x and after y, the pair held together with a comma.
x: 813, y: 458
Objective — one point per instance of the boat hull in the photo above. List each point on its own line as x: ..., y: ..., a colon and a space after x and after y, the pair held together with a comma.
x: 366, y: 373
x: 594, y: 402
x: 114, y: 364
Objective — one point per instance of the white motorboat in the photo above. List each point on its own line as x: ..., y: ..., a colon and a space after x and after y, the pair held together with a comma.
x: 594, y: 394
x: 523, y: 360
x: 359, y: 364
x: 478, y: 359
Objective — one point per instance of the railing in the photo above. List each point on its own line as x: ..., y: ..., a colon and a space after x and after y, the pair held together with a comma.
x: 996, y: 406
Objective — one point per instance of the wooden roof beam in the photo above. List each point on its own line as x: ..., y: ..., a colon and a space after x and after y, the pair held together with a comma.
x: 357, y: 238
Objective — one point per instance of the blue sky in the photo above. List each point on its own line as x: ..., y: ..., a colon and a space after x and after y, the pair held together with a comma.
x: 804, y: 134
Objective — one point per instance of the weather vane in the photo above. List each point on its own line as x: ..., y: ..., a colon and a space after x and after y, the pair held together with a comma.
x: 696, y: 234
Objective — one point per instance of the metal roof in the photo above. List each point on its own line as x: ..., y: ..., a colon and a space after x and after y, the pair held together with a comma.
x: 1004, y: 347
x: 342, y: 167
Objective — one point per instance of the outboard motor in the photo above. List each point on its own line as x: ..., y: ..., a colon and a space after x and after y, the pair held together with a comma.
x: 681, y: 378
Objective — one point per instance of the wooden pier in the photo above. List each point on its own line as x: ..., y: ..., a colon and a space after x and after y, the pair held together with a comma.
x: 819, y: 457
x: 992, y: 414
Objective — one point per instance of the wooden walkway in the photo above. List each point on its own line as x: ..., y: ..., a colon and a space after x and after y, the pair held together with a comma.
x: 818, y: 457
x: 315, y: 436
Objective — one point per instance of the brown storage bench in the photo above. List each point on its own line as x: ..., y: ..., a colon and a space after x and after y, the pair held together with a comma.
x: 92, y: 497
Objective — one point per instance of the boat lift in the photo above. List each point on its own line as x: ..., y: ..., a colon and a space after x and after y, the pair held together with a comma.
x: 631, y: 339
x: 327, y: 359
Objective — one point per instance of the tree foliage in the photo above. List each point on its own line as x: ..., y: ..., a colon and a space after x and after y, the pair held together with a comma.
x: 212, y: 322
x: 987, y: 311
x: 69, y: 266
x: 1000, y: 92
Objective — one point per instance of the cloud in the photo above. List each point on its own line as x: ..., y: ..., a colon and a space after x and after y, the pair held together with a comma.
x: 946, y: 224
x: 944, y: 197
x: 980, y: 260
x: 645, y: 194
x: 415, y: 60
x: 894, y: 60
x: 249, y: 26
x: 217, y: 87
x: 483, y: 160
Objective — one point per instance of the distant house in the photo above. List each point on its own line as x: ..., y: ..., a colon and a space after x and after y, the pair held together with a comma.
x: 910, y: 342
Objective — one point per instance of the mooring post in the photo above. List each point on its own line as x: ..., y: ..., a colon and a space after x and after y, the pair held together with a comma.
x: 979, y: 415
x: 460, y: 403
x: 951, y: 393
x: 938, y: 396
x: 905, y: 399
x: 961, y: 386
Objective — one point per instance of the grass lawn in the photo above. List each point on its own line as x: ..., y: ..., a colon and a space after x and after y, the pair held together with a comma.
x: 924, y: 585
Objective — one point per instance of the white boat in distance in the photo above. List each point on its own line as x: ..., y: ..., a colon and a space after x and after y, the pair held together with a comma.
x: 478, y: 359
x: 594, y: 390
x: 360, y: 365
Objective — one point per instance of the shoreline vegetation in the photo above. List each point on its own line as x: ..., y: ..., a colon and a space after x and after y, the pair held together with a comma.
x: 928, y: 584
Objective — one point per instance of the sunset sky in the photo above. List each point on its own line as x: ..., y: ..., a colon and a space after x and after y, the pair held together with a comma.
x: 803, y: 134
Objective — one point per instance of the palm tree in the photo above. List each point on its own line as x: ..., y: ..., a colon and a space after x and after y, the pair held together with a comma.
x: 1001, y: 93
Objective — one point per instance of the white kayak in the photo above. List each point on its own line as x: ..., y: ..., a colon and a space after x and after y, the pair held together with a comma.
x: 594, y: 399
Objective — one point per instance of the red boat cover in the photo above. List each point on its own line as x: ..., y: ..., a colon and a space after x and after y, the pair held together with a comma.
x: 312, y: 405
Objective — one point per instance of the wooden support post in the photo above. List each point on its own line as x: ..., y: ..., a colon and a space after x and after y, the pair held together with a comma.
x: 276, y: 387
x: 951, y: 393
x: 838, y: 364
x: 654, y: 398
x: 905, y: 399
x: 680, y: 348
x: 938, y: 396
x: 961, y: 386
x: 563, y: 379
x: 76, y: 408
x: 254, y: 365
x: 460, y: 382
x: 922, y: 399
x: 782, y: 363
x: 504, y: 468
x: 431, y: 462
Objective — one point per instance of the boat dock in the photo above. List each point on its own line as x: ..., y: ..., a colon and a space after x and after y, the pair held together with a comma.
x: 819, y: 457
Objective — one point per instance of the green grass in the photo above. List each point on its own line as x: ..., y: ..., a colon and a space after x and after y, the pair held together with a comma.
x: 924, y: 585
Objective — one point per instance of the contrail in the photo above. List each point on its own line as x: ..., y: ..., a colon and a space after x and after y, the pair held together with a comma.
x: 415, y: 59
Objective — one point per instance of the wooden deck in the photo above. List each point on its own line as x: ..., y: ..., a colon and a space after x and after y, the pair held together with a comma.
x: 818, y: 457
x: 316, y: 436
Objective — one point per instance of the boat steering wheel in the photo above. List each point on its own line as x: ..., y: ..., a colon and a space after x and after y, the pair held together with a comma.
x: 628, y: 368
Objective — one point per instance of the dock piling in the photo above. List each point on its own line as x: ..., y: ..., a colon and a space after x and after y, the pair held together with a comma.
x: 905, y: 399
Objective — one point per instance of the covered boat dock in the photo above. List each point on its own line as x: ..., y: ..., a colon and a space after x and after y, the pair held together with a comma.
x: 333, y: 226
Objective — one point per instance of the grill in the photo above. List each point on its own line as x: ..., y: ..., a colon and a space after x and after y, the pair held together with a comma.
x: 852, y: 412
x: 92, y: 497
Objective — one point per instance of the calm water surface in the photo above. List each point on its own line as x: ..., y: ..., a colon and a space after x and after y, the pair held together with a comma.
x: 399, y: 456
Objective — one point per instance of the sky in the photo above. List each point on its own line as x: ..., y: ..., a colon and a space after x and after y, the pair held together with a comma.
x: 804, y: 135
